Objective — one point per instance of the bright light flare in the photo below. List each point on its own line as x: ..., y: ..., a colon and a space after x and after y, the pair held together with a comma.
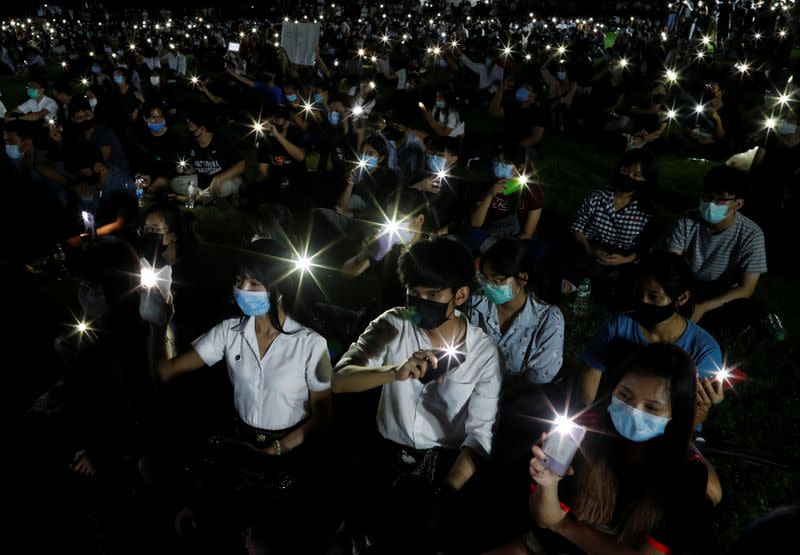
x: 563, y: 425
x: 672, y: 114
x: 82, y: 327
x: 623, y: 63
x: 671, y: 75
x: 358, y: 110
x: 148, y: 278
x: 361, y: 52
x: 771, y: 123
x: 302, y: 264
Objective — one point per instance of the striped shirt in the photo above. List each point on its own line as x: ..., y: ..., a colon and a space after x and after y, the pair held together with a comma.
x: 721, y: 256
x: 599, y: 222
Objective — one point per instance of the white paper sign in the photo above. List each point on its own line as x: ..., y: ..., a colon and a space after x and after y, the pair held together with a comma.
x: 300, y: 41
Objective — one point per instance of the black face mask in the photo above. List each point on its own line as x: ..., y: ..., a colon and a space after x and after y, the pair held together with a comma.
x: 153, y: 248
x: 649, y: 315
x: 426, y: 314
x: 624, y: 183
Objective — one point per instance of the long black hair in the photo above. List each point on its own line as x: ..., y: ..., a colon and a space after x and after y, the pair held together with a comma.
x: 652, y: 483
x: 273, y: 264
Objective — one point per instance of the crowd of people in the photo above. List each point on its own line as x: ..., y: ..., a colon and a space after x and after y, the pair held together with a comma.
x: 393, y: 318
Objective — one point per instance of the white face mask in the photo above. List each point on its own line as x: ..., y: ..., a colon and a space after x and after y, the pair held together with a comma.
x: 154, y: 80
x: 93, y: 103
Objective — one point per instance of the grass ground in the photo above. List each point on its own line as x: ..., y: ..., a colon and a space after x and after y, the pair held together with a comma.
x: 759, y: 422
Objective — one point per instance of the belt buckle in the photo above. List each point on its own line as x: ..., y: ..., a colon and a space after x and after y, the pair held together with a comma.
x: 261, y: 438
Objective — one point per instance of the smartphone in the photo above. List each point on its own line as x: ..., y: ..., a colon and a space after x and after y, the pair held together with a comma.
x: 512, y: 186
x: 233, y: 46
x: 446, y: 361
x: 560, y: 448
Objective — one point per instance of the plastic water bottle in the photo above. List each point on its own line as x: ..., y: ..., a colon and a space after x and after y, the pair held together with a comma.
x: 775, y: 326
x: 190, y: 192
x: 59, y: 260
x: 581, y: 303
x: 140, y: 192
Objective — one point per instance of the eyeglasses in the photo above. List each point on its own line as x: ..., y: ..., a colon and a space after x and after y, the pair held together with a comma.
x: 711, y: 197
x: 496, y: 280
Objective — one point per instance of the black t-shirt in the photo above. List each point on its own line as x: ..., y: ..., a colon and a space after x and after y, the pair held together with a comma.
x: 217, y: 157
x: 284, y: 172
x: 520, y: 122
x: 157, y: 155
x: 781, y: 163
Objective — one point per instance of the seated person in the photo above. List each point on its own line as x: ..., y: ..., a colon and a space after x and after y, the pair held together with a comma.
x: 157, y: 151
x: 776, y: 168
x: 443, y: 189
x: 408, y: 147
x: 363, y: 96
x: 528, y: 332
x: 218, y: 166
x: 336, y: 139
x: 614, y: 225
x: 512, y: 207
x: 649, y: 122
x: 444, y: 120
x: 709, y: 137
x: 560, y: 93
x: 279, y: 368
x: 600, y: 507
x: 660, y: 315
x: 38, y: 106
x: 128, y: 100
x: 382, y: 249
x: 447, y: 418
x: 524, y: 119
x: 725, y: 251
x: 82, y: 126
x: 282, y: 160
x: 106, y: 195
x: 365, y: 188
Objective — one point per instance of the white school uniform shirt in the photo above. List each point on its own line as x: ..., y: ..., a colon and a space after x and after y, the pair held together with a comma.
x: 45, y: 103
x: 271, y: 393
x: 460, y: 412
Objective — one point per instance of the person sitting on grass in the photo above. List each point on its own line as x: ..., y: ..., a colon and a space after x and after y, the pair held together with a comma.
x: 661, y: 310
x: 725, y: 251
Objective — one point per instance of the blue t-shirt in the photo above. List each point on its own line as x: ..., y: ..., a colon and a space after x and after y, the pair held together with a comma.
x: 273, y: 96
x: 612, y: 344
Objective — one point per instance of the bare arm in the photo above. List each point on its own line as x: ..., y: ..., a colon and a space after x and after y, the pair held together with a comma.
x: 163, y: 368
x: 593, y: 542
x: 356, y: 265
x: 354, y: 379
x: 496, y: 106
x: 581, y: 239
x: 744, y: 290
x: 480, y: 211
x: 294, y: 151
x: 531, y: 223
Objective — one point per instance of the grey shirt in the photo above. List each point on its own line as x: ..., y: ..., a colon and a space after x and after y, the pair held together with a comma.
x: 724, y: 256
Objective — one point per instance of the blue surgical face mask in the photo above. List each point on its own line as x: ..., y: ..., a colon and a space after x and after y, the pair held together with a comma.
x: 13, y: 152
x: 33, y: 93
x: 503, y: 171
x: 370, y: 162
x: 713, y: 213
x: 634, y: 424
x: 119, y: 79
x: 498, y: 294
x: 96, y: 69
x: 561, y: 75
x: 92, y: 300
x: 441, y: 104
x: 334, y: 118
x: 436, y: 163
x: 156, y: 127
x: 252, y: 303
x: 522, y: 94
x: 317, y: 98
x: 291, y: 97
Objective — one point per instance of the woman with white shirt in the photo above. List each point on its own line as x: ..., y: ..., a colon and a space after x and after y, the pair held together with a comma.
x: 444, y: 119
x: 280, y: 369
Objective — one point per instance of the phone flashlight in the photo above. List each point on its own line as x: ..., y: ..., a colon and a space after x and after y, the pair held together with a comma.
x: 561, y: 445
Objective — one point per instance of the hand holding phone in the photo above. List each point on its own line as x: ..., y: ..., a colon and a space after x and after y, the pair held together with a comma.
x: 446, y: 360
x: 560, y: 446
